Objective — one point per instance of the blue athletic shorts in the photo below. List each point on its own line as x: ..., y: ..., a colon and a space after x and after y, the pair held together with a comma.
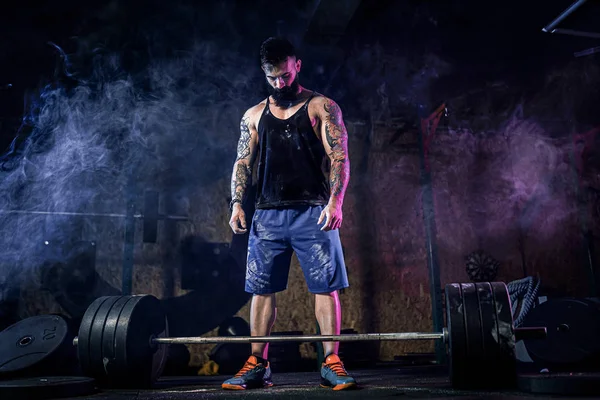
x: 276, y: 233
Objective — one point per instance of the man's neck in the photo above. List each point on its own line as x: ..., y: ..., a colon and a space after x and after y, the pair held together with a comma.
x: 285, y: 104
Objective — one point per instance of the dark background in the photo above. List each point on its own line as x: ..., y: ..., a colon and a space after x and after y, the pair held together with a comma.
x: 481, y: 41
x: 101, y: 98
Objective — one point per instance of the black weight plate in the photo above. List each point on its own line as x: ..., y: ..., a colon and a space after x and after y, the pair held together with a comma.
x: 500, y: 366
x: 96, y: 335
x: 489, y: 322
x: 111, y: 365
x: 142, y: 319
x: 457, y: 335
x: 573, y: 327
x: 564, y: 383
x: 490, y: 351
x: 475, y: 376
x: 51, y: 387
x: 31, y: 342
x: 506, y: 362
x: 83, y: 337
x: 108, y: 338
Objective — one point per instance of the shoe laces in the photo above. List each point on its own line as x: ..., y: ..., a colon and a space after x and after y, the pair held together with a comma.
x: 248, y: 366
x: 338, y: 368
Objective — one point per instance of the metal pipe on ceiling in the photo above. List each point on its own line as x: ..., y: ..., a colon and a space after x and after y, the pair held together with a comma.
x: 550, y: 27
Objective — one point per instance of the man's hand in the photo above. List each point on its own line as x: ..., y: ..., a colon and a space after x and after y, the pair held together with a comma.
x: 332, y: 215
x: 238, y: 220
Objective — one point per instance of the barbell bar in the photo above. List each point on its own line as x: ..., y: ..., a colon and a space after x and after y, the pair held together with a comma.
x: 528, y: 333
x: 360, y: 337
x: 122, y: 340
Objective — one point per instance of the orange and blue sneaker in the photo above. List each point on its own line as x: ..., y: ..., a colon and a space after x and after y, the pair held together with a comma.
x: 334, y: 375
x: 253, y: 375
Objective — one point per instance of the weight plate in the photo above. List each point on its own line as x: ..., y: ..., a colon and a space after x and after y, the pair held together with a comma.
x: 497, y: 355
x: 111, y: 364
x: 481, y: 336
x: 457, y: 335
x: 472, y: 315
x: 83, y: 338
x: 96, y: 335
x: 107, y: 348
x: 573, y: 383
x: 141, y: 319
x: 489, y: 323
x: 506, y: 363
x: 475, y: 377
x: 50, y: 387
x: 32, y: 343
x: 573, y: 327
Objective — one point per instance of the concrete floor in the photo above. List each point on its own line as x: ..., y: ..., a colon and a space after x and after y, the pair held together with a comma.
x: 389, y: 383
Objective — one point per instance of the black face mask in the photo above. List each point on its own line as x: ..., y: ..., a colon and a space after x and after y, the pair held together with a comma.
x: 286, y: 96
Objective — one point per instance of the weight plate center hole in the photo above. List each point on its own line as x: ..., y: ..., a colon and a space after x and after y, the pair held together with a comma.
x: 25, y: 341
x: 563, y: 328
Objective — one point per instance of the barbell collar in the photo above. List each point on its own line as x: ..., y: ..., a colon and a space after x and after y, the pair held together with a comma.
x: 301, y: 338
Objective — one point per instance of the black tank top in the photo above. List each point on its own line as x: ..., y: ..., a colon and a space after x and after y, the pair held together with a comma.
x: 293, y: 168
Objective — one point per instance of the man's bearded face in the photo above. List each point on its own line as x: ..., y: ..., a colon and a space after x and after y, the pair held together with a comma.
x: 283, y: 81
x: 286, y: 94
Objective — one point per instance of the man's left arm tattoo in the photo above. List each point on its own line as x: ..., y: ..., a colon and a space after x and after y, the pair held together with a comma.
x: 337, y: 141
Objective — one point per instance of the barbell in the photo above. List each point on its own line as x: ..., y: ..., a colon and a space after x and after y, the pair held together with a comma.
x: 150, y: 215
x: 122, y: 340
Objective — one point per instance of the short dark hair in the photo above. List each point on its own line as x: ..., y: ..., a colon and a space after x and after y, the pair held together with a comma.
x: 275, y: 50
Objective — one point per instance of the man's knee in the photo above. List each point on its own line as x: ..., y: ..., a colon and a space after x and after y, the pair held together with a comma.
x: 330, y: 293
x: 262, y: 297
x: 262, y: 301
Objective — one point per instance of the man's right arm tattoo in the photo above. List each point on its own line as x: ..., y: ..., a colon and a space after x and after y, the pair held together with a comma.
x: 243, y: 149
x: 241, y: 176
x: 242, y: 171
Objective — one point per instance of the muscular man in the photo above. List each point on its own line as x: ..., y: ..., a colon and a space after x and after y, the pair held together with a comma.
x: 303, y: 170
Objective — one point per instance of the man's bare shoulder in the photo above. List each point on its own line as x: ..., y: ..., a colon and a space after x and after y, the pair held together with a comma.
x: 252, y: 115
x: 321, y: 103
